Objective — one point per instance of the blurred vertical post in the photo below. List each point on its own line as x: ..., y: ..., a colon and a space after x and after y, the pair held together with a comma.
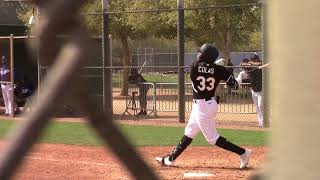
x: 12, y: 72
x: 37, y: 56
x: 294, y: 51
x: 181, y: 31
x: 106, y: 61
x: 265, y: 71
x: 110, y: 51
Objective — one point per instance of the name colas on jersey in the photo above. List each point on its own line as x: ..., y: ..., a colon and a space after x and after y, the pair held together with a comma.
x: 203, y: 69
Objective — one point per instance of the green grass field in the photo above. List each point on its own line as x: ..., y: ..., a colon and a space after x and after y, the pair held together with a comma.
x: 80, y: 134
x: 154, y: 78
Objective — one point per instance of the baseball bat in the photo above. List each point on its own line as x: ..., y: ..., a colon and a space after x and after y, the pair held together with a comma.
x: 262, y: 66
x: 265, y: 65
x: 145, y: 62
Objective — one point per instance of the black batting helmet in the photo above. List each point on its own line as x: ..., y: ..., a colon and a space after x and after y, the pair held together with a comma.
x: 255, y: 57
x: 208, y: 52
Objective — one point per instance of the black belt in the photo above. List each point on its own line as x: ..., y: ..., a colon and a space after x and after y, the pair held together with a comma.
x: 208, y: 99
x: 204, y: 99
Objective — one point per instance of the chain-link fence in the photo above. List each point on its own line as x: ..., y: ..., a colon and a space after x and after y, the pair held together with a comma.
x: 151, y: 38
x: 144, y: 36
x: 146, y: 39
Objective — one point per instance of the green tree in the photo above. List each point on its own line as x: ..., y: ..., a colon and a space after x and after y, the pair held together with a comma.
x: 119, y: 28
x: 255, y: 42
x: 229, y: 24
x: 154, y: 23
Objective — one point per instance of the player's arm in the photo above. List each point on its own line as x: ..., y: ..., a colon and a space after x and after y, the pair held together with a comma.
x: 229, y: 79
x: 242, y: 75
x: 231, y: 82
x: 142, y: 79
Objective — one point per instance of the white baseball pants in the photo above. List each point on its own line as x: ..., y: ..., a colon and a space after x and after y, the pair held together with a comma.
x: 7, y: 90
x: 258, y: 102
x: 202, y: 118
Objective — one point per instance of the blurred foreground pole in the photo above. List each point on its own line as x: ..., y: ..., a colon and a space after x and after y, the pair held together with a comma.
x: 293, y: 35
x: 37, y: 57
x: 106, y: 61
x: 181, y: 31
x: 11, y: 63
x: 265, y: 71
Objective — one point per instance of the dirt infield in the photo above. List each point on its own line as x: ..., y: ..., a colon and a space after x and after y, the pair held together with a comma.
x: 56, y: 161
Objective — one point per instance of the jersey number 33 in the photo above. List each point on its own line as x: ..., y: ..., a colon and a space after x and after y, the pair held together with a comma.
x: 205, y: 83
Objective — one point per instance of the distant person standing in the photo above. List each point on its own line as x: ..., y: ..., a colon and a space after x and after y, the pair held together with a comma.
x: 136, y: 78
x: 254, y: 75
x: 23, y: 90
x: 6, y: 86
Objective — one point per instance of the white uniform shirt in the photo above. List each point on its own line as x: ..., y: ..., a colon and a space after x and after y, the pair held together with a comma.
x: 4, y: 73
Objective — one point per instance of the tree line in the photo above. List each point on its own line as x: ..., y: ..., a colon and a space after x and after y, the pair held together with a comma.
x: 231, y: 25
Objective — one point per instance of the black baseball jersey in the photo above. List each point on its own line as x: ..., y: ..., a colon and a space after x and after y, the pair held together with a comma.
x: 136, y: 78
x: 205, y: 78
x: 255, y: 77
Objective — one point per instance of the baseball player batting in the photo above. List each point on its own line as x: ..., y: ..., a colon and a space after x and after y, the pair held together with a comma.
x: 205, y: 76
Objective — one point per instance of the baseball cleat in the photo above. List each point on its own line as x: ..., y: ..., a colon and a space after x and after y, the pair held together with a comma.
x: 244, y: 158
x: 164, y: 161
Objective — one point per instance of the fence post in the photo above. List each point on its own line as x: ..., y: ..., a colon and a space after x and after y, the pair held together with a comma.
x: 154, y: 99
x: 12, y: 72
x: 181, y: 95
x: 106, y: 61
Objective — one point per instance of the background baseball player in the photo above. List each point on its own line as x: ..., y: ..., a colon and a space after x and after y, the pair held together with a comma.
x: 6, y: 87
x: 136, y: 78
x: 205, y: 76
x: 254, y: 75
